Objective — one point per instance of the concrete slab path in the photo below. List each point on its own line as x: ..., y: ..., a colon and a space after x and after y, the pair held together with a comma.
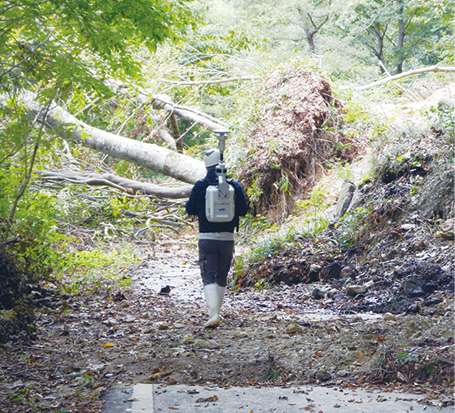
x: 153, y: 398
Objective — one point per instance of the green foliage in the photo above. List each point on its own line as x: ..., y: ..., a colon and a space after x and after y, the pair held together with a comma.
x: 352, y: 225
x: 443, y: 123
x: 405, y: 356
x: 267, y: 247
x: 64, y: 49
x: 46, y: 42
x: 400, y: 32
x: 314, y: 208
x: 97, y: 270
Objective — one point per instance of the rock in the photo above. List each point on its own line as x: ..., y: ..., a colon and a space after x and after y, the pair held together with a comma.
x: 369, y: 284
x: 413, y: 309
x: 344, y: 199
x: 317, y: 294
x: 99, y: 390
x: 310, y: 373
x: 416, y: 292
x: 210, y: 344
x: 446, y: 229
x: 346, y: 271
x: 322, y: 376
x: 240, y: 335
x: 432, y: 300
x: 110, y: 322
x: 353, y: 290
x: 294, y: 328
x: 163, y: 327
x: 390, y: 317
x: 343, y: 373
x: 332, y: 271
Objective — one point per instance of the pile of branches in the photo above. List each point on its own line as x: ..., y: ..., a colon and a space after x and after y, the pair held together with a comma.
x: 295, y: 133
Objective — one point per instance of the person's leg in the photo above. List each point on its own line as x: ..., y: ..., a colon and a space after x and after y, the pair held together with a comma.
x: 225, y: 251
x: 208, y: 266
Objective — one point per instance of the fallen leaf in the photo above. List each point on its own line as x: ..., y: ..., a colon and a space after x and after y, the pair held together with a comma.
x: 381, y: 338
x: 158, y: 375
x: 319, y: 354
x: 108, y: 345
x: 207, y: 400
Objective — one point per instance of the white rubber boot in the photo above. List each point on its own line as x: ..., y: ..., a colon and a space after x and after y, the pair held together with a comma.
x: 213, y: 304
x: 221, y: 291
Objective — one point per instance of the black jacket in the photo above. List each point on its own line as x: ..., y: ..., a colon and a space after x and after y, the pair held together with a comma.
x: 196, y: 204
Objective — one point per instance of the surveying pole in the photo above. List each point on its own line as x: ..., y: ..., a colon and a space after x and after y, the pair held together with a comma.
x: 221, y: 169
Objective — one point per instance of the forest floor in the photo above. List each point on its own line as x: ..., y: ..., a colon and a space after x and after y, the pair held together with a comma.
x: 282, y: 336
x: 377, y: 314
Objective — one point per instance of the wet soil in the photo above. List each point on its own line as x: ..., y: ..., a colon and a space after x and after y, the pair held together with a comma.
x: 273, y: 337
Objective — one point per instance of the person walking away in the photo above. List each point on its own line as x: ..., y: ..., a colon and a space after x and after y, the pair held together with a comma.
x: 216, y: 239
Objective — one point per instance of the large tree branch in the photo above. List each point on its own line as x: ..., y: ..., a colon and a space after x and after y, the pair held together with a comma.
x: 123, y: 184
x: 151, y: 156
x: 186, y: 113
x: 408, y: 73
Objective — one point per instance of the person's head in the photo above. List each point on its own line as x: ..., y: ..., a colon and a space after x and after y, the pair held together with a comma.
x: 212, y: 158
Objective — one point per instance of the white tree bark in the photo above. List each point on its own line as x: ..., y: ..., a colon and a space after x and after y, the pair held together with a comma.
x: 186, y: 113
x: 151, y: 156
x: 447, y: 101
x: 123, y: 184
x: 408, y: 73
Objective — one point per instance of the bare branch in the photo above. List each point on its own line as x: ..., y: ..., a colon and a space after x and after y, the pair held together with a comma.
x: 123, y: 184
x: 405, y: 74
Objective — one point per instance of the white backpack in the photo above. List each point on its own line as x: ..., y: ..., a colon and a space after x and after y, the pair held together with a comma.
x: 219, y: 207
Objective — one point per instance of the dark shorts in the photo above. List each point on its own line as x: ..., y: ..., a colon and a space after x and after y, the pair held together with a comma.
x: 215, y: 259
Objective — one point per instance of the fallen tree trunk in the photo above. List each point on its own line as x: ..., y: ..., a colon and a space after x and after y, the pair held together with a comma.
x: 408, y: 73
x: 447, y: 102
x: 151, y: 156
x: 123, y: 184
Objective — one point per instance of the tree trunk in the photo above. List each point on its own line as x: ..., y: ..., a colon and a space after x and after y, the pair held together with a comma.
x: 447, y: 102
x: 310, y: 39
x: 151, y: 156
x: 401, y: 34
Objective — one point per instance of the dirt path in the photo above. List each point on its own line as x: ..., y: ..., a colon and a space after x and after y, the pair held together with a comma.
x: 277, y: 337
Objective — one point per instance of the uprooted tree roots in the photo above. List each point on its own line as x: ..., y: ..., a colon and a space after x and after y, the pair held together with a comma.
x: 296, y: 131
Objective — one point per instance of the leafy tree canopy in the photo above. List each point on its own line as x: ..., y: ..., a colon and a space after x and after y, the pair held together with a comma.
x: 61, y: 42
